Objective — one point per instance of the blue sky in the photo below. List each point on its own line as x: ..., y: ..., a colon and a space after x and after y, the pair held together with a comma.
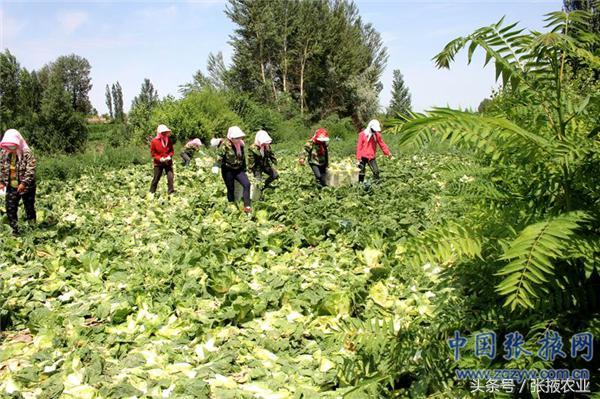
x: 168, y: 41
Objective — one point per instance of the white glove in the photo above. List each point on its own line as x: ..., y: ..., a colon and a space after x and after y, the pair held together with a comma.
x: 215, y: 170
x: 167, y: 159
x: 162, y: 160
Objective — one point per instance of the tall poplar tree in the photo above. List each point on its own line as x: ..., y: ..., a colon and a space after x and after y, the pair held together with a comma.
x: 401, y: 99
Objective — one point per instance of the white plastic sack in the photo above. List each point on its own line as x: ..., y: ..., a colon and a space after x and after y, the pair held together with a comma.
x: 337, y: 178
x: 255, y: 192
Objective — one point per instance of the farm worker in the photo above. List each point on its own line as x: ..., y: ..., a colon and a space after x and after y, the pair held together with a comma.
x: 318, y: 155
x: 262, y: 158
x: 17, y: 176
x: 366, y: 149
x: 232, y: 161
x: 161, y: 148
x: 189, y: 149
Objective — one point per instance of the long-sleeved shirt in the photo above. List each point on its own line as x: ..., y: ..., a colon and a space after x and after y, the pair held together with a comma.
x: 318, y: 154
x: 159, y: 150
x: 227, y: 157
x: 368, y: 148
x: 190, y: 149
x: 258, y: 161
x: 25, y: 168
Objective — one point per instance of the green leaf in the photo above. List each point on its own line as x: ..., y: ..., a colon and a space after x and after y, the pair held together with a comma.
x: 531, y: 255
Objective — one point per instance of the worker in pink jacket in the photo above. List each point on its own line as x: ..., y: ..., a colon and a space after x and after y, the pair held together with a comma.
x: 366, y: 149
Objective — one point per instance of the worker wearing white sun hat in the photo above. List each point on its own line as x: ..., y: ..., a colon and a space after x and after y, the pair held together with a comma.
x: 231, y: 158
x: 262, y: 158
x: 161, y: 149
x: 17, y: 177
x: 366, y: 149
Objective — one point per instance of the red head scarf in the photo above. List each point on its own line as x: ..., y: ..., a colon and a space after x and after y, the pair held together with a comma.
x: 320, y: 135
x: 320, y: 138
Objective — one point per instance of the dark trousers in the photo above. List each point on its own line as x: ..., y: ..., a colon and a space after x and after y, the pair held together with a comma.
x: 319, y: 171
x: 271, y: 172
x: 186, y: 158
x: 229, y: 177
x: 363, y: 166
x: 158, y: 171
x: 12, y: 205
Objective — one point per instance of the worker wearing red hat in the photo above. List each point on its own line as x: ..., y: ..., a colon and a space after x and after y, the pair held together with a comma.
x: 318, y: 155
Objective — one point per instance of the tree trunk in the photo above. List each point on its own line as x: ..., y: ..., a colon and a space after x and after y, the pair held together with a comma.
x: 302, y: 70
x: 274, y: 88
x: 260, y: 56
x: 285, y: 66
x: 302, y: 88
x: 262, y: 72
x: 74, y: 99
x: 285, y: 61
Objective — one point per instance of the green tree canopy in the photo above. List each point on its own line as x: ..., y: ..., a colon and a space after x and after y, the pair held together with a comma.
x: 117, y: 98
x: 109, y: 104
x: 148, y: 96
x: 9, y: 88
x: 60, y: 127
x: 317, y: 52
x: 40, y: 104
x: 141, y: 110
x: 401, y: 99
x: 74, y: 73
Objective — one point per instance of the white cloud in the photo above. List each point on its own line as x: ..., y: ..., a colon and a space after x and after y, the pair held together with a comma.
x: 9, y: 27
x: 70, y: 21
x: 205, y: 3
x: 389, y: 37
x: 36, y: 53
x: 445, y: 32
x: 157, y: 14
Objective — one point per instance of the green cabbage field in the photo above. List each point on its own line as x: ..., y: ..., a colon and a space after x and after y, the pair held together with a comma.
x: 120, y: 294
x: 472, y: 270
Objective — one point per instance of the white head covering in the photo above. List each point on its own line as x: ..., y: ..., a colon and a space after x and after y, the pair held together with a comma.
x: 234, y: 132
x: 194, y: 143
x: 262, y: 137
x: 159, y: 134
x: 372, y: 127
x: 215, y: 142
x: 13, y: 137
x: 162, y: 129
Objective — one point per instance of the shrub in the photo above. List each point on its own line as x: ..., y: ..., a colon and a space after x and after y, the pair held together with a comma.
x: 98, y: 132
x: 293, y: 130
x: 255, y: 116
x: 114, y: 134
x: 139, y: 122
x: 65, y: 167
x: 203, y: 114
x: 341, y: 128
x: 118, y: 135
